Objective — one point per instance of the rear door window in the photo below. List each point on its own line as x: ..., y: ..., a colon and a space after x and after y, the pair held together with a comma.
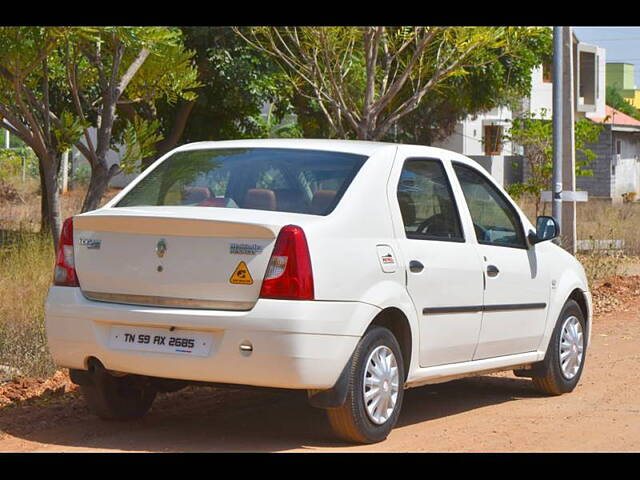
x: 283, y: 180
x: 427, y: 203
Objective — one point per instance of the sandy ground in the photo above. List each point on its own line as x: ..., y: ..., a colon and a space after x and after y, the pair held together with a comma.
x: 493, y: 413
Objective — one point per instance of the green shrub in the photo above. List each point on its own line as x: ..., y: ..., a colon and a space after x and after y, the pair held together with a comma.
x: 82, y: 175
x: 11, y: 163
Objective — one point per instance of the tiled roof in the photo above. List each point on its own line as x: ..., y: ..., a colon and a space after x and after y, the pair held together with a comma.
x: 616, y: 117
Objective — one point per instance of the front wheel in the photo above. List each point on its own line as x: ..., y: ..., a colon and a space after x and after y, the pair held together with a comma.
x: 375, y: 390
x: 564, y: 360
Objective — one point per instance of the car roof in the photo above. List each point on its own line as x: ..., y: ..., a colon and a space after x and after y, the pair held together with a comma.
x: 359, y: 147
x: 348, y: 146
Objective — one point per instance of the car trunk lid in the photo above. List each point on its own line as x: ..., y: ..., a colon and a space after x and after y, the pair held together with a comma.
x: 172, y: 258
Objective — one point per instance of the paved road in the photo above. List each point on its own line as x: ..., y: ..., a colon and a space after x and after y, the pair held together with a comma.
x: 490, y: 413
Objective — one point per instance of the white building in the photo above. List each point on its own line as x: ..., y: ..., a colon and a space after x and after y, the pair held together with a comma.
x: 481, y: 137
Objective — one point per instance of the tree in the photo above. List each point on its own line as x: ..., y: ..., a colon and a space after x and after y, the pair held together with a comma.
x: 110, y: 67
x: 535, y: 135
x: 366, y: 79
x: 28, y: 98
x: 615, y: 99
x: 56, y: 84
x: 502, y: 83
x: 236, y: 82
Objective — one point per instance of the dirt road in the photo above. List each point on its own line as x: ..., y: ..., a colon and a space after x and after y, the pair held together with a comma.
x: 490, y: 413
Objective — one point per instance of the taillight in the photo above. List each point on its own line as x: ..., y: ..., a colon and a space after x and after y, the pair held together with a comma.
x: 289, y: 274
x: 65, y: 271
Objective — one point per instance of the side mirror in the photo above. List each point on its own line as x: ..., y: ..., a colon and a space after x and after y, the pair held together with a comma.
x: 546, y: 229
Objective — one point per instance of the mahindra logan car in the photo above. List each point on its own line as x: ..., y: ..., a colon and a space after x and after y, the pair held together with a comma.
x: 352, y: 270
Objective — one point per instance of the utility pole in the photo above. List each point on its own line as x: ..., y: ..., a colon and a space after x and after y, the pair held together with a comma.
x: 556, y: 189
x: 7, y: 139
x: 568, y: 225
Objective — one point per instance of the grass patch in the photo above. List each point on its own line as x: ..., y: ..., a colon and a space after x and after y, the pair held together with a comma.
x: 600, y: 265
x: 26, y: 272
x: 602, y: 220
x: 26, y: 266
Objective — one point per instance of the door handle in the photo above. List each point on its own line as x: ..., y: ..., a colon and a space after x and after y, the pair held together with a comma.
x: 415, y: 266
x: 492, y: 271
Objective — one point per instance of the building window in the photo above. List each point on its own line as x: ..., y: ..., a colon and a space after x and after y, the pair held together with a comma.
x: 618, y: 147
x: 492, y: 140
x: 597, y: 77
x: 547, y: 72
x: 587, y: 78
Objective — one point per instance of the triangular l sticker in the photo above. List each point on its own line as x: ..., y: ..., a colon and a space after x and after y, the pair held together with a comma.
x: 241, y: 275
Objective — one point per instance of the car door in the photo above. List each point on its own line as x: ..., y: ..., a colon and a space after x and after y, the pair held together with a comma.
x: 517, y: 288
x: 444, y: 272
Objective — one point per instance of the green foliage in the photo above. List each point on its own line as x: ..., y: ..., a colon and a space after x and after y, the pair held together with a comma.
x: 498, y: 84
x: 616, y: 100
x: 271, y: 127
x: 69, y: 131
x: 236, y: 80
x: 31, y: 59
x: 363, y: 80
x: 15, y: 142
x: 82, y: 174
x: 167, y: 75
x: 73, y: 69
x: 140, y: 137
x: 518, y: 190
x: 10, y: 164
x: 535, y: 134
x: 11, y: 161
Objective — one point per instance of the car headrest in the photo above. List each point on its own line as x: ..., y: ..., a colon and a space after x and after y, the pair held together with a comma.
x: 322, y: 200
x: 407, y: 208
x: 260, y: 199
x: 291, y: 200
x: 195, y: 194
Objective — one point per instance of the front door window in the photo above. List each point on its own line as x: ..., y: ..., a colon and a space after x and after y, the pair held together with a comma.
x: 495, y: 221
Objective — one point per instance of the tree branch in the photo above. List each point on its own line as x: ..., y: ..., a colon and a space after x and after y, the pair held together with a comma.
x: 131, y: 71
x: 399, y: 82
x: 89, y: 152
x: 18, y: 128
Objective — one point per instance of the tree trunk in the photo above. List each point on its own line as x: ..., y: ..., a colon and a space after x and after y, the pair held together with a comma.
x: 50, y: 170
x: 365, y: 130
x: 100, y: 176
x: 45, y: 225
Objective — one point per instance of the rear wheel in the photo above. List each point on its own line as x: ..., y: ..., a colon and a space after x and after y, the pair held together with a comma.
x: 375, y: 390
x: 564, y: 360
x: 117, y: 398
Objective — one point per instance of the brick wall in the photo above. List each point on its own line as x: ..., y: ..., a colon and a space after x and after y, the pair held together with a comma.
x: 600, y: 184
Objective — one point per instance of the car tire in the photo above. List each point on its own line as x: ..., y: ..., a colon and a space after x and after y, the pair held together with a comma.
x: 359, y: 419
x: 558, y: 375
x: 117, y: 398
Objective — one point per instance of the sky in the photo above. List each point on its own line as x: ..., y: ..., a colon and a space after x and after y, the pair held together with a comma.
x: 621, y: 43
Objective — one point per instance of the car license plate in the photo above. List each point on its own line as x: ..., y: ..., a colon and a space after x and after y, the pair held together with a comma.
x: 144, y: 339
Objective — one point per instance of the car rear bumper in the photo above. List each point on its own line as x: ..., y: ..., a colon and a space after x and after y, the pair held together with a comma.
x: 296, y: 344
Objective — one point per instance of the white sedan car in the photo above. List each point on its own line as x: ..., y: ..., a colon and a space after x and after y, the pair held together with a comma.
x: 352, y: 270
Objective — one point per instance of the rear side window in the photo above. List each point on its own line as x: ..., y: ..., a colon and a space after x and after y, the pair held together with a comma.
x: 426, y: 202
x: 283, y: 180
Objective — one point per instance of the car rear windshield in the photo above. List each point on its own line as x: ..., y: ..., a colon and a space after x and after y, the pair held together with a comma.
x: 283, y: 180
